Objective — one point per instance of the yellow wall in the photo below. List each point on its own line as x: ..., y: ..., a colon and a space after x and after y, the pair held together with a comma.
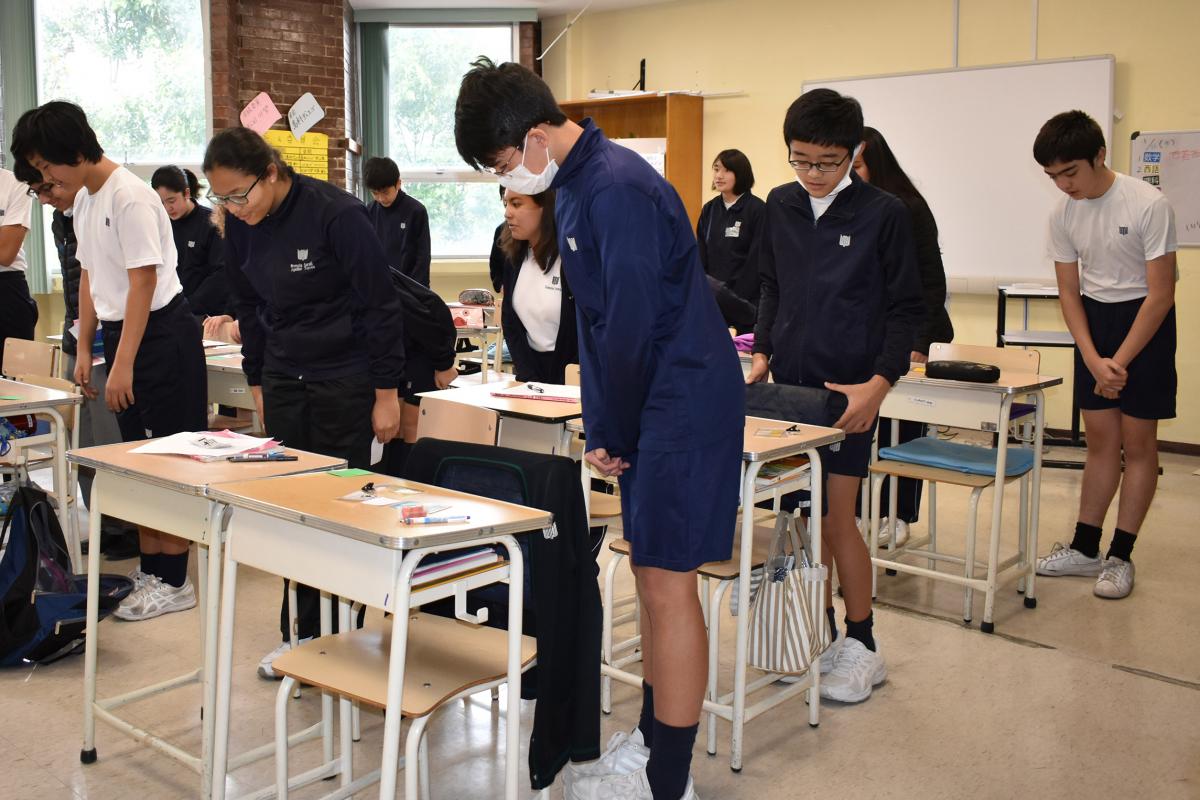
x: 768, y: 48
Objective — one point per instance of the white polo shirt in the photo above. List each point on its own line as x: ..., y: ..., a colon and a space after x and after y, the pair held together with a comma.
x: 16, y: 206
x: 537, y: 299
x: 121, y: 227
x: 1112, y: 237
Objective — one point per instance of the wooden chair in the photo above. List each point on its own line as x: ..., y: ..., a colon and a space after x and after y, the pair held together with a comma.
x: 446, y: 659
x: 30, y: 359
x: 457, y: 422
x: 890, y: 463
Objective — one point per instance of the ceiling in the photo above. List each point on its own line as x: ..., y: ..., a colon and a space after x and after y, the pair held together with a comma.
x: 546, y: 8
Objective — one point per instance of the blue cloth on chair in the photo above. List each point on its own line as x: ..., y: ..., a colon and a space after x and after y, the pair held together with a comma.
x: 933, y: 452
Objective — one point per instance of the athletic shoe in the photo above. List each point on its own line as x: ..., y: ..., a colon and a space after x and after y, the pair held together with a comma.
x: 856, y: 671
x: 264, y: 666
x: 1116, y: 579
x: 634, y: 786
x: 1064, y: 560
x: 885, y: 532
x: 154, y: 598
x: 139, y: 579
x: 626, y: 753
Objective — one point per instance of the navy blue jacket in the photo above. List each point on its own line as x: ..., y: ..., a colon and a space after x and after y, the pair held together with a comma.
x: 727, y: 258
x: 313, y: 294
x: 659, y: 371
x: 201, y: 268
x: 403, y: 228
x: 841, y: 297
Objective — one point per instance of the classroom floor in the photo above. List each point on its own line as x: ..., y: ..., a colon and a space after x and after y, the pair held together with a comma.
x: 1081, y: 697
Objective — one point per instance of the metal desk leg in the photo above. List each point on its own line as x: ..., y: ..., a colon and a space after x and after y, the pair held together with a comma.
x: 62, y: 485
x: 92, y: 634
x: 988, y: 626
x: 512, y: 716
x: 217, y: 516
x: 816, y: 492
x: 390, y: 762
x: 220, y: 756
x: 743, y: 621
x: 345, y: 706
x: 1035, y: 501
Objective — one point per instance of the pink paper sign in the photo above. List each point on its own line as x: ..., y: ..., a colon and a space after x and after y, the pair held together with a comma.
x: 260, y: 113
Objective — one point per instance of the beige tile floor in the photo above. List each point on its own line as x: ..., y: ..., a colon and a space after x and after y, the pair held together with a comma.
x: 1078, y: 698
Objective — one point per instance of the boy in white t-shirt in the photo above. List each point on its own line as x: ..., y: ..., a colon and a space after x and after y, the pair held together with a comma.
x: 1113, y: 244
x: 18, y: 311
x: 152, y: 342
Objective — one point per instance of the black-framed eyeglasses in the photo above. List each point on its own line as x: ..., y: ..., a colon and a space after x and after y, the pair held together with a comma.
x: 40, y: 189
x: 820, y: 166
x: 234, y: 199
x: 504, y: 169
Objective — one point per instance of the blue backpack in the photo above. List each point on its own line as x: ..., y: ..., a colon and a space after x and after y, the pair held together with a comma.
x: 42, y: 603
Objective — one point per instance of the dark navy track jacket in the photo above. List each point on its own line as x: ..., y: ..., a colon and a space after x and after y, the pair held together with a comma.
x: 201, y: 268
x: 841, y: 296
x: 659, y: 368
x: 726, y: 237
x: 403, y: 228
x: 313, y: 294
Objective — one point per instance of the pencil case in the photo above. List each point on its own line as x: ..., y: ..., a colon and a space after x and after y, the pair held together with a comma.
x: 969, y: 371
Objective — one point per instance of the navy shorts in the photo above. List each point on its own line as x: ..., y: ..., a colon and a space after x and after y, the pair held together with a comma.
x: 679, y: 508
x: 1149, y: 391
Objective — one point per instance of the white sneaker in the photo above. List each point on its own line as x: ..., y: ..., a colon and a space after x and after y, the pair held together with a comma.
x: 634, y: 786
x: 626, y: 753
x: 856, y: 671
x: 139, y: 578
x: 1116, y: 579
x: 1064, y: 560
x: 885, y: 532
x: 154, y: 598
x: 264, y: 666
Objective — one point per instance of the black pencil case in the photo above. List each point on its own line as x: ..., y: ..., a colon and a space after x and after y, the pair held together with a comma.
x: 970, y: 371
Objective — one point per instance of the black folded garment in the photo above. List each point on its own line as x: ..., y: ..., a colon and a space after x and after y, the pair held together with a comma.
x: 794, y: 403
x: 970, y: 371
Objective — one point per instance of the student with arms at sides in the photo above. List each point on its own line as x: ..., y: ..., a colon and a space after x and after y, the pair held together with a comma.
x: 157, y: 378
x: 726, y: 234
x: 840, y: 307
x: 18, y: 310
x: 320, y: 320
x: 201, y: 252
x: 539, y: 310
x: 1112, y: 239
x: 400, y: 221
x: 661, y: 393
x: 877, y: 165
x: 97, y: 424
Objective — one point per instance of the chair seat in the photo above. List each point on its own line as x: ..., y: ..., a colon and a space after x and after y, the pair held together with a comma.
x: 444, y: 657
x: 604, y: 505
x: 723, y: 570
x: 933, y: 452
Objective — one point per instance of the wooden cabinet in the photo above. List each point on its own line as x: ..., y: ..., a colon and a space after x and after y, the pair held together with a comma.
x: 678, y: 118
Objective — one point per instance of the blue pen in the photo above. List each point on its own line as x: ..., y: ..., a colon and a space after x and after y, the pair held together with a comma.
x: 434, y: 520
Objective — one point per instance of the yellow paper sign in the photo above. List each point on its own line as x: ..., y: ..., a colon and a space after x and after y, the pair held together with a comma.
x: 308, y: 155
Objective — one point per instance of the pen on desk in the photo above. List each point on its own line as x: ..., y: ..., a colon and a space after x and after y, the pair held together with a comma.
x: 434, y: 520
x: 533, y: 387
x: 246, y: 457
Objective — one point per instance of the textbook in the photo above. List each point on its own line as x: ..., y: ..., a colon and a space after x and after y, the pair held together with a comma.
x: 541, y: 391
x: 779, y: 471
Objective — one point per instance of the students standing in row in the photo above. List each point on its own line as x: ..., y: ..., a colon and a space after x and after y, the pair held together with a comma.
x: 18, y: 311
x: 539, y: 310
x: 320, y: 320
x: 1112, y: 239
x: 400, y: 220
x: 201, y: 254
x: 726, y: 233
x: 156, y: 371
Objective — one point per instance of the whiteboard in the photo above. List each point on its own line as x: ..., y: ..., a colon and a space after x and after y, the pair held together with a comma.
x: 1170, y: 160
x: 965, y: 137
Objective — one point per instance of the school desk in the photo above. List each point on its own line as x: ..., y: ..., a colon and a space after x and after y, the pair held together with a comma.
x: 297, y: 527
x: 166, y: 492
x: 485, y: 337
x: 537, y: 426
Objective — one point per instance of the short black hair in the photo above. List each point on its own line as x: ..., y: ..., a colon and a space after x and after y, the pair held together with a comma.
x: 26, y: 173
x: 1069, y: 136
x: 380, y: 173
x: 176, y: 179
x: 496, y: 107
x: 245, y: 151
x: 57, y: 131
x: 824, y: 117
x: 736, y: 162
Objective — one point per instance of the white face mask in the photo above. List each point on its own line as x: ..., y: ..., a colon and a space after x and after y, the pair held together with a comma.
x: 522, y: 181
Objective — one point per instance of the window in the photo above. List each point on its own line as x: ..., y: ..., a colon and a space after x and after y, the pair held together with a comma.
x: 137, y: 68
x: 426, y: 65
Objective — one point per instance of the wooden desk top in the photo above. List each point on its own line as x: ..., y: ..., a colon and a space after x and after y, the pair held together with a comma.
x: 1009, y: 383
x: 312, y: 501
x: 224, y: 360
x: 32, y: 398
x: 187, y: 475
x: 536, y: 410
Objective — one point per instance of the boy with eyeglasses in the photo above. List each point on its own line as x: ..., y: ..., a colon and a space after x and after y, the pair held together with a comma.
x: 840, y: 305
x: 18, y: 311
x: 152, y: 345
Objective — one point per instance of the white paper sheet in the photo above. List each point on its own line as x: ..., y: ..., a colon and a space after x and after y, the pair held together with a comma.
x: 201, y: 444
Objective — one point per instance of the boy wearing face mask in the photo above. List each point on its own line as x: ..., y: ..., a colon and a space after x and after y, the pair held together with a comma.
x: 840, y: 305
x: 663, y: 403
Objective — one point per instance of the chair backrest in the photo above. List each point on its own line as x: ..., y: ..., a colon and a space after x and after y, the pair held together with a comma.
x: 1008, y: 359
x: 24, y: 357
x: 572, y: 375
x: 58, y: 384
x: 457, y: 422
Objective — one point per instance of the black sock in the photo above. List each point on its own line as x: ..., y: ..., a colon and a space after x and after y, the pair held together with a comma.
x: 646, y: 723
x: 1122, y: 545
x: 149, y: 563
x: 173, y: 568
x: 670, y: 760
x: 861, y: 630
x: 832, y: 614
x: 1087, y: 539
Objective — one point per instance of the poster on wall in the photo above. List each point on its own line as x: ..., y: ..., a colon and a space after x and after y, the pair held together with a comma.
x: 1170, y: 161
x: 308, y: 155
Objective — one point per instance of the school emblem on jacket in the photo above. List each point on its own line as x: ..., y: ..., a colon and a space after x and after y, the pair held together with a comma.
x: 844, y: 241
x: 301, y: 254
x: 191, y: 243
x: 1123, y: 230
x: 304, y: 264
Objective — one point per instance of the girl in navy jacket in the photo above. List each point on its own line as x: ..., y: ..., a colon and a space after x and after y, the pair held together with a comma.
x: 726, y: 234
x: 201, y: 267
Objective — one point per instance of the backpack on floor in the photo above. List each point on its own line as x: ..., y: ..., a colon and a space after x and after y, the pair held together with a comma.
x: 42, y: 603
